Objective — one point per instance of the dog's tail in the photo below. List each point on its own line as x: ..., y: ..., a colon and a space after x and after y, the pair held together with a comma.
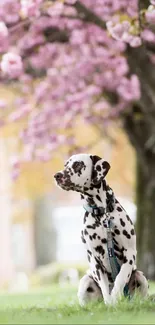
x: 139, y: 283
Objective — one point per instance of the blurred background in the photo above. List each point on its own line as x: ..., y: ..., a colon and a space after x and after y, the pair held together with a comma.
x: 75, y: 76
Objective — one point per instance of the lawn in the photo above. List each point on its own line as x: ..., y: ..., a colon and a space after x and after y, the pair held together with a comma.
x: 59, y: 305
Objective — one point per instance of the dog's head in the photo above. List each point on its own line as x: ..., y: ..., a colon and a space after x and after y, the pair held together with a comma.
x: 82, y: 171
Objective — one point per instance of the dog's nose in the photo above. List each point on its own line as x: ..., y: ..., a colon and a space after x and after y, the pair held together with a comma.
x: 58, y: 176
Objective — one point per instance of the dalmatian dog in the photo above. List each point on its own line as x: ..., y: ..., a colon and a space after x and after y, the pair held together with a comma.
x: 85, y: 173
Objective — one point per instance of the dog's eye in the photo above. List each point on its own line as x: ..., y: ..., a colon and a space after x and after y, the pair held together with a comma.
x: 77, y: 166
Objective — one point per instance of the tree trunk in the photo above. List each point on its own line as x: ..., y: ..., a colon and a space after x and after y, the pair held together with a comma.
x: 146, y: 218
x: 138, y: 131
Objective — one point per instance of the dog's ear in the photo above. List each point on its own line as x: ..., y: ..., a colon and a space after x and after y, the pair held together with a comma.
x: 100, y: 169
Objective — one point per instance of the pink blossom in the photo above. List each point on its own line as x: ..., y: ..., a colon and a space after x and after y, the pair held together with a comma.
x: 56, y: 9
x: 9, y: 11
x: 150, y: 16
x: 118, y: 30
x: 152, y: 2
x: 148, y: 36
x: 121, y: 32
x: 30, y: 7
x: 135, y: 41
x: 20, y: 113
x: 11, y: 65
x: 129, y: 89
x: 15, y: 161
x: 78, y: 37
x: 15, y: 174
x: 76, y: 75
x: 3, y: 37
x: 43, y: 155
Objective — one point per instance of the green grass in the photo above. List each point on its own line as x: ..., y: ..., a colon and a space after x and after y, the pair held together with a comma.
x: 59, y: 305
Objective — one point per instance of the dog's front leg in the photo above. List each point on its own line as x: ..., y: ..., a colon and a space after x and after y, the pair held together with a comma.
x: 104, y: 286
x: 123, y: 276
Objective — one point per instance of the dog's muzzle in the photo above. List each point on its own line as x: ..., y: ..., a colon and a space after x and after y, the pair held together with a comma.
x: 58, y: 176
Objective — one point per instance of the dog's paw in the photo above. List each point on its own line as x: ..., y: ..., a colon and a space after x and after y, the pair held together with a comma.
x: 115, y: 296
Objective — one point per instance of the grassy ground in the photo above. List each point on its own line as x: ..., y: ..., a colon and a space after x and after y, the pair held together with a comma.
x: 58, y: 305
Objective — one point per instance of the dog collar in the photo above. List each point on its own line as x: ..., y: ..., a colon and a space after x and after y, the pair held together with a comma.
x: 96, y: 211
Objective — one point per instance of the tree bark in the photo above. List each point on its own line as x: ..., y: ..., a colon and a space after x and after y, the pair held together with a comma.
x: 146, y: 217
x: 138, y: 131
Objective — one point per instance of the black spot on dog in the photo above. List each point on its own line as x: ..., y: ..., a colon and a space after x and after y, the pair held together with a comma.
x: 132, y: 232
x: 116, y: 242
x: 89, y: 252
x: 116, y: 248
x: 90, y: 237
x: 82, y: 237
x: 128, y: 218
x: 98, y: 198
x: 104, y: 241
x: 85, y: 232
x: 117, y: 232
x: 130, y: 262
x: 95, y: 159
x: 98, y: 186
x: 89, y: 259
x: 78, y: 166
x: 94, y: 236
x: 99, y: 237
x: 85, y: 216
x: 90, y: 200
x: 134, y: 257
x: 98, y: 168
x: 122, y: 222
x: 106, y: 166
x: 125, y: 260
x: 119, y: 209
x: 98, y: 274
x: 126, y: 234
x: 99, y: 249
x: 93, y: 226
x: 97, y: 261
x: 109, y: 275
x: 119, y: 256
x: 97, y: 265
x: 90, y: 289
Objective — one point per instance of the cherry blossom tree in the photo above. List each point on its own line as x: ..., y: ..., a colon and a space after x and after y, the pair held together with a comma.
x: 89, y: 59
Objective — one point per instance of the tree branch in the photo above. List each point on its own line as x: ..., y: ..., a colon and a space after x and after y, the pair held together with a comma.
x: 143, y: 4
x: 138, y: 131
x: 88, y: 15
x: 140, y: 65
